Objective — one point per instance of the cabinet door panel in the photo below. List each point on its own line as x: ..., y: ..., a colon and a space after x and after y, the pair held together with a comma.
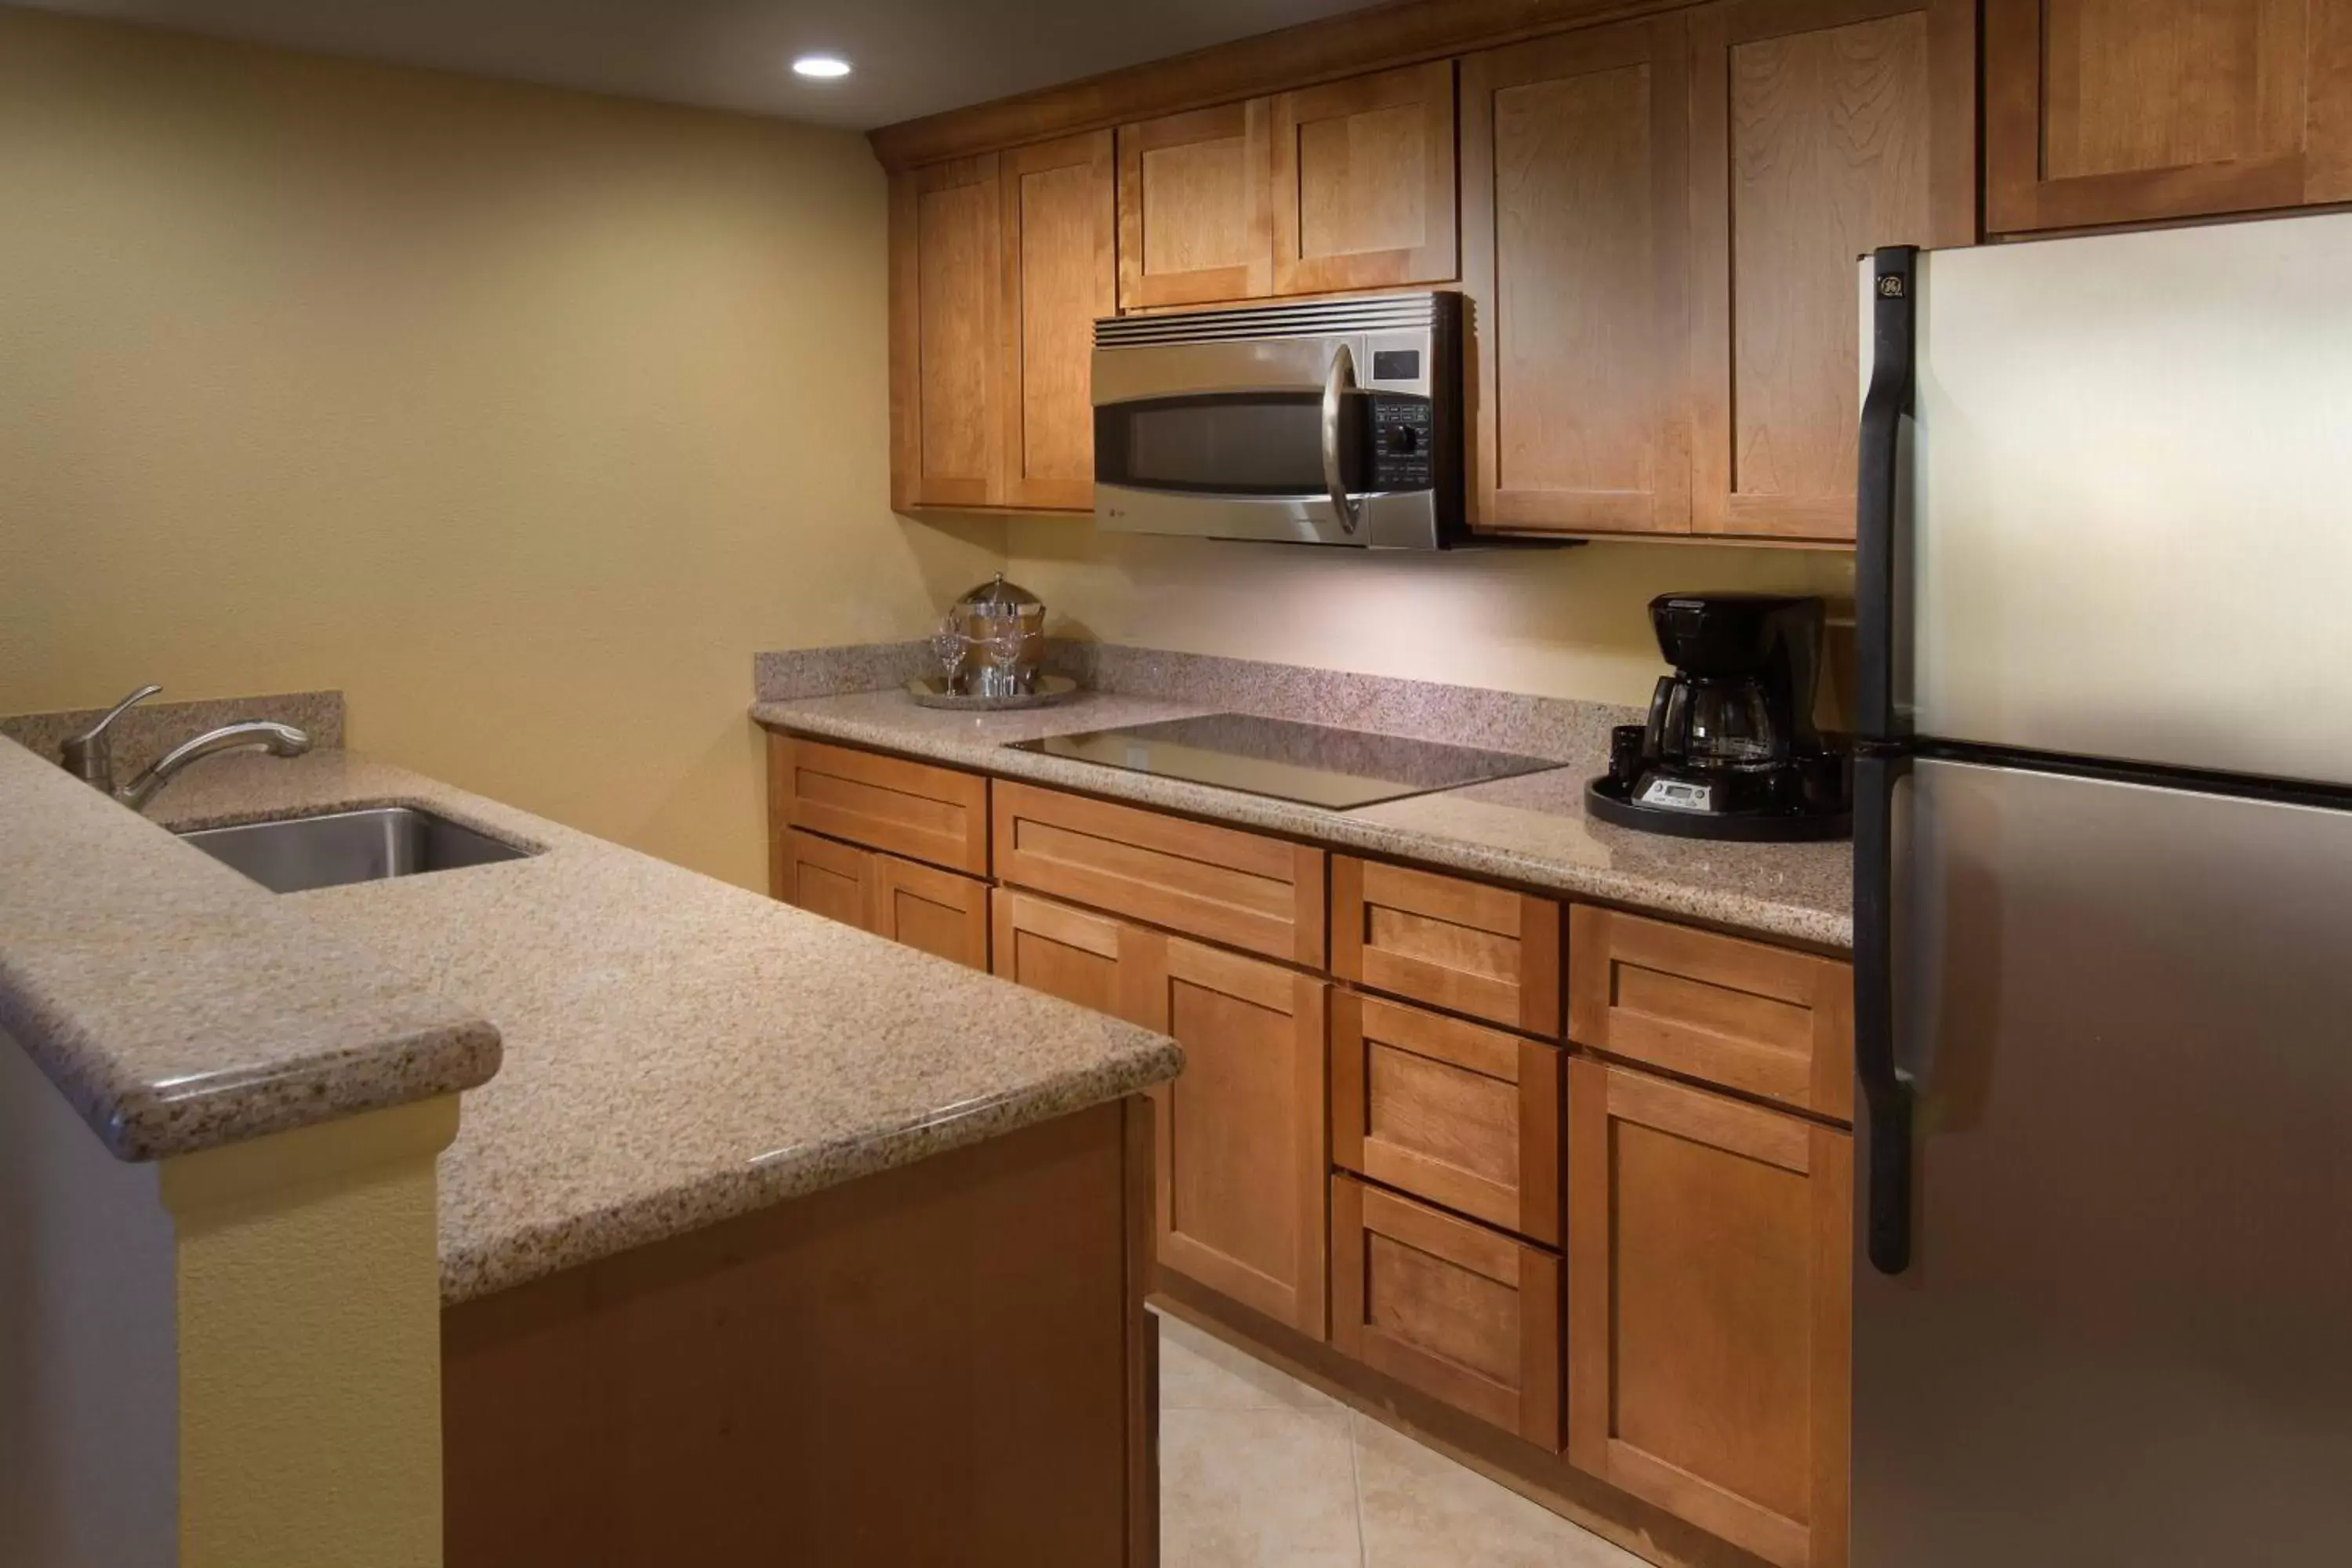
x: 1575, y: 180
x: 1709, y: 1309
x: 1061, y: 271
x: 1076, y: 954
x: 1195, y: 222
x: 1242, y: 1150
x: 1363, y: 181
x: 934, y: 910
x: 2108, y: 111
x: 822, y: 876
x: 947, y: 257
x: 1821, y: 129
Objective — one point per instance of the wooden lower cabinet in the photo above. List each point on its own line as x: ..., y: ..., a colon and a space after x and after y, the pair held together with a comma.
x: 1465, y: 1314
x: 923, y: 906
x: 1747, y: 1015
x: 1468, y: 947
x: 1242, y: 1146
x: 1709, y: 1309
x: 1453, y: 1112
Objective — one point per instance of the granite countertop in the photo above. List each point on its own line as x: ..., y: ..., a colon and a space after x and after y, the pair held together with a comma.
x: 1531, y: 829
x: 178, y: 1006
x: 679, y: 1050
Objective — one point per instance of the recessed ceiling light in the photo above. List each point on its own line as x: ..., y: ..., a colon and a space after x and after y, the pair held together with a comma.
x: 823, y: 68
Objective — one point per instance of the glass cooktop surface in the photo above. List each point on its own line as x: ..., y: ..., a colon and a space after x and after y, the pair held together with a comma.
x: 1314, y: 765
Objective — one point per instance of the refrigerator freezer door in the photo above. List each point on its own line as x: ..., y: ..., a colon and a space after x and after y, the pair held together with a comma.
x: 2132, y: 496
x: 2125, y: 1338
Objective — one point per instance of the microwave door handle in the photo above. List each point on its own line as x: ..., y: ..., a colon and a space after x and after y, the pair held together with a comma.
x: 1335, y: 383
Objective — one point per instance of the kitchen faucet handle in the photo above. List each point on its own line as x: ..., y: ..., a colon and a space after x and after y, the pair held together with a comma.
x: 88, y: 755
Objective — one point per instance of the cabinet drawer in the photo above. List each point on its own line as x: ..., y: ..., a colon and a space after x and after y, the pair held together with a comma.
x: 1453, y: 944
x: 1463, y: 1115
x: 923, y: 813
x: 1241, y: 889
x: 1759, y: 1019
x: 1462, y: 1313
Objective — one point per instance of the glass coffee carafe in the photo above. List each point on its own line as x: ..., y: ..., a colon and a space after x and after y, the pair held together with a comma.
x: 1718, y: 724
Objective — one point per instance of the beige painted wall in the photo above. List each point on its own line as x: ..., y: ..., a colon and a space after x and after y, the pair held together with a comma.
x: 1560, y: 623
x: 524, y: 418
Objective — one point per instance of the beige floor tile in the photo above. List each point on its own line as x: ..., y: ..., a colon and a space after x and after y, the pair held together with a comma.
x: 1257, y: 1489
x: 1198, y: 1372
x: 1420, y: 1509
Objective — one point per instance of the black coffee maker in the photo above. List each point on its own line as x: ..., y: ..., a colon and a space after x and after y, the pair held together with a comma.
x: 1730, y: 749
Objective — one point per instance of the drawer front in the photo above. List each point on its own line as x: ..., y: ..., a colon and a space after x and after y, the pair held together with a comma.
x: 1463, y: 1115
x: 1753, y: 1017
x: 1453, y: 944
x: 1461, y: 1313
x: 912, y: 809
x: 1239, y: 889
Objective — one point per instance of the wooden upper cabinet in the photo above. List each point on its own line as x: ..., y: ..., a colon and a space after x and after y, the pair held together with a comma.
x: 1709, y: 1309
x: 947, y: 259
x: 1195, y: 223
x: 1061, y: 271
x: 2109, y: 112
x: 1575, y: 189
x: 1363, y: 181
x: 1820, y: 130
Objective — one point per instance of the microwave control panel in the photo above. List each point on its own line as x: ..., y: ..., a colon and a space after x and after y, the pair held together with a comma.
x: 1403, y: 437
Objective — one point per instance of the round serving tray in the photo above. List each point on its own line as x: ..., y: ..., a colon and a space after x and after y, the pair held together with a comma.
x: 931, y: 691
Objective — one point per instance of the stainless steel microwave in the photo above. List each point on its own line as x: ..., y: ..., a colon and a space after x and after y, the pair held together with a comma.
x: 1318, y: 422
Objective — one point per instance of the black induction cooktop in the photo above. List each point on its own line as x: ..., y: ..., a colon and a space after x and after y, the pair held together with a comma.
x: 1314, y: 765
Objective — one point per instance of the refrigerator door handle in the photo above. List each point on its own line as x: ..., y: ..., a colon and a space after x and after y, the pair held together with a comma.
x: 1893, y: 288
x: 1885, y: 1088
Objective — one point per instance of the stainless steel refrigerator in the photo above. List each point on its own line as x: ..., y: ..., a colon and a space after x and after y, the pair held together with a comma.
x: 2103, y: 905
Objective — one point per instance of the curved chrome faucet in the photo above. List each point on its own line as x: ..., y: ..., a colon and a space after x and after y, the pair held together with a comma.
x: 90, y: 756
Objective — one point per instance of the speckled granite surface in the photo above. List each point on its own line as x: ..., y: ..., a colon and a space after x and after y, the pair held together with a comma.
x: 179, y: 1006
x: 678, y: 1050
x: 1531, y: 829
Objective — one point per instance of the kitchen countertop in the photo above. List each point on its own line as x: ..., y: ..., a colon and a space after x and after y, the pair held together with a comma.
x: 1531, y: 829
x: 178, y: 1006
x: 678, y: 1050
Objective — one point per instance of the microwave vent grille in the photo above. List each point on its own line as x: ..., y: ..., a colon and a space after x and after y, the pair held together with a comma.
x: 1306, y: 319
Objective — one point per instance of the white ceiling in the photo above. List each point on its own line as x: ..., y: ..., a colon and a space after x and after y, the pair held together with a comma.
x: 911, y: 57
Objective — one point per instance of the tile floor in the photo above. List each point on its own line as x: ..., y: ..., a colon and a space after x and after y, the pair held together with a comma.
x: 1258, y: 1470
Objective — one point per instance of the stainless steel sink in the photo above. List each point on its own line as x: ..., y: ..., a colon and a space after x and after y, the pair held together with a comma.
x: 293, y: 854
